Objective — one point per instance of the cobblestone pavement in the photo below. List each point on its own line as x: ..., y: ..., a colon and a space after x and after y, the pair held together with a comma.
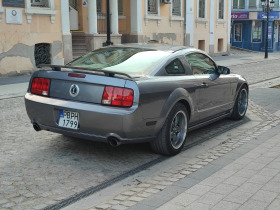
x: 38, y: 169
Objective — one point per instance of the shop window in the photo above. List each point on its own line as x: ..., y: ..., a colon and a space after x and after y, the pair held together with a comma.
x: 220, y: 45
x: 238, y: 4
x: 257, y: 31
x: 221, y: 9
x: 152, y: 7
x: 201, y: 9
x: 176, y: 7
x: 238, y: 32
x: 201, y: 45
x: 42, y: 54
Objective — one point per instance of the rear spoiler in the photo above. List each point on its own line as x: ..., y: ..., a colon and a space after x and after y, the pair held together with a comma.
x: 85, y: 70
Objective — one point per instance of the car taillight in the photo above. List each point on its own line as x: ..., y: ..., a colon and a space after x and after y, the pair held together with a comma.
x: 117, y: 96
x: 40, y: 86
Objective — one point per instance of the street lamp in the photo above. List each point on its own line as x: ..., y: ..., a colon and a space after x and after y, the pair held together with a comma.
x: 267, y: 7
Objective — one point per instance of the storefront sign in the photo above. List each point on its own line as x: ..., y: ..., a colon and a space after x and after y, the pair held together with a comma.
x: 272, y: 15
x: 240, y: 15
x: 14, y: 16
x: 13, y: 3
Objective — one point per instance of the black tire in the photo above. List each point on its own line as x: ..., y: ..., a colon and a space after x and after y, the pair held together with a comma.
x: 172, y: 136
x: 241, y: 104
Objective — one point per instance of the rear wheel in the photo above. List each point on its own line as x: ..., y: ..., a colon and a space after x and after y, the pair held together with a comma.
x: 241, y: 104
x: 172, y: 137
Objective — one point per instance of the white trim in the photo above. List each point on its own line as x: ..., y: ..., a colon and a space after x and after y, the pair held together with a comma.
x: 190, y: 20
x: 65, y: 21
x: 136, y: 18
x: 152, y: 16
x: 40, y: 11
x: 1, y: 11
x: 218, y: 8
x: 205, y: 11
x: 229, y: 20
x: 212, y: 23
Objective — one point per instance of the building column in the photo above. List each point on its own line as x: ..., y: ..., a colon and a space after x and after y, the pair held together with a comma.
x: 229, y: 26
x: 66, y: 35
x: 114, y: 17
x: 189, y: 23
x: 92, y: 17
x: 212, y: 28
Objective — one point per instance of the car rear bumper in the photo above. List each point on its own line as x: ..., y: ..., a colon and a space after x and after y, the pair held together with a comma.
x: 96, y: 122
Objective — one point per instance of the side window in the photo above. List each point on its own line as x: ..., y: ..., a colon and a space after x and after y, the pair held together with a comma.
x: 175, y: 67
x: 200, y: 63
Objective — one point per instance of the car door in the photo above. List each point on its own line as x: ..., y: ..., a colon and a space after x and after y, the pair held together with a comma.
x: 215, y: 90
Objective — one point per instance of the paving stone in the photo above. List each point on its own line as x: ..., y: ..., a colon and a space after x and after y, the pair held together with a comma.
x: 211, y: 198
x: 144, y: 194
x: 128, y: 203
x: 136, y: 198
x: 254, y: 204
x: 224, y: 189
x: 238, y: 197
x: 225, y: 205
x: 128, y: 193
x: 264, y: 196
x: 121, y: 197
x: 119, y: 207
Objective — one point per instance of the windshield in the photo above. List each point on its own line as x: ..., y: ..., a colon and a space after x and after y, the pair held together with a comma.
x: 133, y: 61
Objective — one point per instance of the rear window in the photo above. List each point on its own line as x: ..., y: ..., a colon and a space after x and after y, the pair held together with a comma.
x: 132, y: 61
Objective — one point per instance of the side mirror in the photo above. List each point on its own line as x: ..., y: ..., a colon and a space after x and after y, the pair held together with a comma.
x: 223, y: 70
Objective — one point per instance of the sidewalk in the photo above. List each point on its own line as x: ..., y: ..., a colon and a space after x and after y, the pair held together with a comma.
x: 249, y: 182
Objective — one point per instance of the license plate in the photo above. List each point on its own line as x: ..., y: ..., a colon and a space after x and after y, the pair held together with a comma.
x: 68, y: 119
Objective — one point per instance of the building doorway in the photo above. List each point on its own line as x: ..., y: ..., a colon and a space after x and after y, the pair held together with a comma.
x: 74, y: 15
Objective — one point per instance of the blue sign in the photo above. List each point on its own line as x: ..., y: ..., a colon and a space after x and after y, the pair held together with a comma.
x: 272, y: 15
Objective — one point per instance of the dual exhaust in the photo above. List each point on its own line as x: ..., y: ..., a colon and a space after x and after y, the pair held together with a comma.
x: 113, y: 141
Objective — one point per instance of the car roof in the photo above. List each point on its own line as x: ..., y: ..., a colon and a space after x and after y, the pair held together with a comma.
x: 155, y: 46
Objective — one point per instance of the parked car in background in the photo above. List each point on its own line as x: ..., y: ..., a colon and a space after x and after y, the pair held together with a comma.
x: 135, y: 93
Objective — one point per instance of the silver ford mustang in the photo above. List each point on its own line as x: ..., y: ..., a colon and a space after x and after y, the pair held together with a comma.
x: 135, y: 93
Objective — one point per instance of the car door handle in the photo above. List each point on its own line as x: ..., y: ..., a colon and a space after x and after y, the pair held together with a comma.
x: 204, y: 85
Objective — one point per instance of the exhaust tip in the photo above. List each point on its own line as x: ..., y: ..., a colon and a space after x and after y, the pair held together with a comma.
x: 113, y: 141
x: 36, y: 127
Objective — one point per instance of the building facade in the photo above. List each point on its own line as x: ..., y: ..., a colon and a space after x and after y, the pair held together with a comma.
x: 249, y: 26
x: 33, y: 32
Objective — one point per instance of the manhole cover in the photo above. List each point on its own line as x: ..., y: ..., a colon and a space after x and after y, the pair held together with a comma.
x: 277, y: 86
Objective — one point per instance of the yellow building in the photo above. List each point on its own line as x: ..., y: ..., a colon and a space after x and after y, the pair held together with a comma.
x: 33, y: 32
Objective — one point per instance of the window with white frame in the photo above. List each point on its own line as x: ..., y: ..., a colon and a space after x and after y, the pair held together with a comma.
x: 238, y: 4
x: 201, y: 9
x: 252, y: 4
x: 238, y: 32
x: 257, y: 31
x: 40, y: 7
x: 152, y: 7
x: 176, y: 7
x: 120, y: 7
x: 40, y: 3
x: 221, y: 9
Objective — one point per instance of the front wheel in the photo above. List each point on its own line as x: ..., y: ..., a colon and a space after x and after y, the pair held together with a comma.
x: 172, y: 137
x: 241, y: 104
